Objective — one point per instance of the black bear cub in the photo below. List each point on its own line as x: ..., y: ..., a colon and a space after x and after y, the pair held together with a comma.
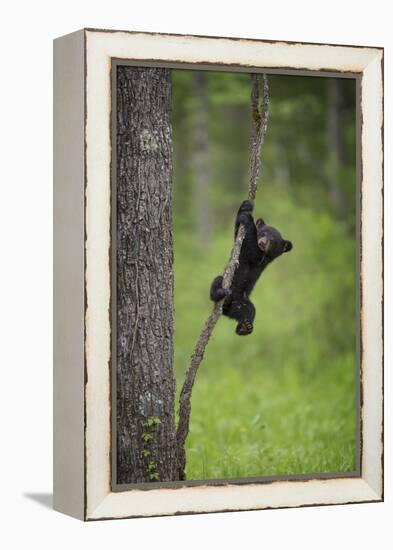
x: 262, y: 244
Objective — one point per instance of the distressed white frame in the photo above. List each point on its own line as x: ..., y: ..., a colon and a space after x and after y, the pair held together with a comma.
x: 96, y: 500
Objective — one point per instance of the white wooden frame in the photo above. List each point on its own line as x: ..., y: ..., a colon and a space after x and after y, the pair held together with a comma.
x: 82, y: 433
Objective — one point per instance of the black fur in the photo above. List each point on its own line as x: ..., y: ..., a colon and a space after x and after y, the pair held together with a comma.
x: 262, y: 244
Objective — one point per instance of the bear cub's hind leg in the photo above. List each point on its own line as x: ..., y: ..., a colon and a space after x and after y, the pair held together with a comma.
x: 244, y: 312
x: 217, y: 293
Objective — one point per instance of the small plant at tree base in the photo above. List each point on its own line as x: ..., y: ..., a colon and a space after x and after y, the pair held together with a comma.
x: 152, y: 421
x: 148, y: 435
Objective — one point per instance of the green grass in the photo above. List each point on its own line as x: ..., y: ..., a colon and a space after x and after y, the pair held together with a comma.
x: 250, y: 423
x: 283, y: 400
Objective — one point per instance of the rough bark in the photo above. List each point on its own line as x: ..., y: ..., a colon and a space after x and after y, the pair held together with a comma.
x: 260, y: 115
x: 146, y: 444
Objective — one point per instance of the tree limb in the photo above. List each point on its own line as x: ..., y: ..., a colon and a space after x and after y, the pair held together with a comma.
x: 260, y: 112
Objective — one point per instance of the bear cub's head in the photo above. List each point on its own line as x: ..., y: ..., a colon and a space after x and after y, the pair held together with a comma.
x: 270, y: 241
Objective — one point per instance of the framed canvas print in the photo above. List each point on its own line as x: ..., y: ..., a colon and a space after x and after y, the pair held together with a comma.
x: 218, y: 328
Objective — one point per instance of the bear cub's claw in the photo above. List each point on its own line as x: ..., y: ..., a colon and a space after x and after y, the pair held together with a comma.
x: 244, y: 328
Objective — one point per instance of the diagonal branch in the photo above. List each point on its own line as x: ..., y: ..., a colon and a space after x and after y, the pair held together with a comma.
x: 260, y: 115
x: 260, y: 112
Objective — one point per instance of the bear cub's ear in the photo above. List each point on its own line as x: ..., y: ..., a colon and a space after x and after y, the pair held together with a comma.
x: 259, y: 222
x: 287, y: 246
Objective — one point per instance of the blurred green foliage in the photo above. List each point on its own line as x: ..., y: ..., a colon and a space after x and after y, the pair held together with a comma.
x: 282, y: 400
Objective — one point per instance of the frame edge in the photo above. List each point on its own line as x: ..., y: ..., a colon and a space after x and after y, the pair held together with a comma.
x: 68, y: 289
x: 364, y: 489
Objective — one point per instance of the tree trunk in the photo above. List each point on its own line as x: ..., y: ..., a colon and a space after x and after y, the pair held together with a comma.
x: 146, y: 444
x: 201, y: 174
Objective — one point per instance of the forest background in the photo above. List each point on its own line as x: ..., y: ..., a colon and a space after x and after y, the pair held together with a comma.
x: 281, y: 401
